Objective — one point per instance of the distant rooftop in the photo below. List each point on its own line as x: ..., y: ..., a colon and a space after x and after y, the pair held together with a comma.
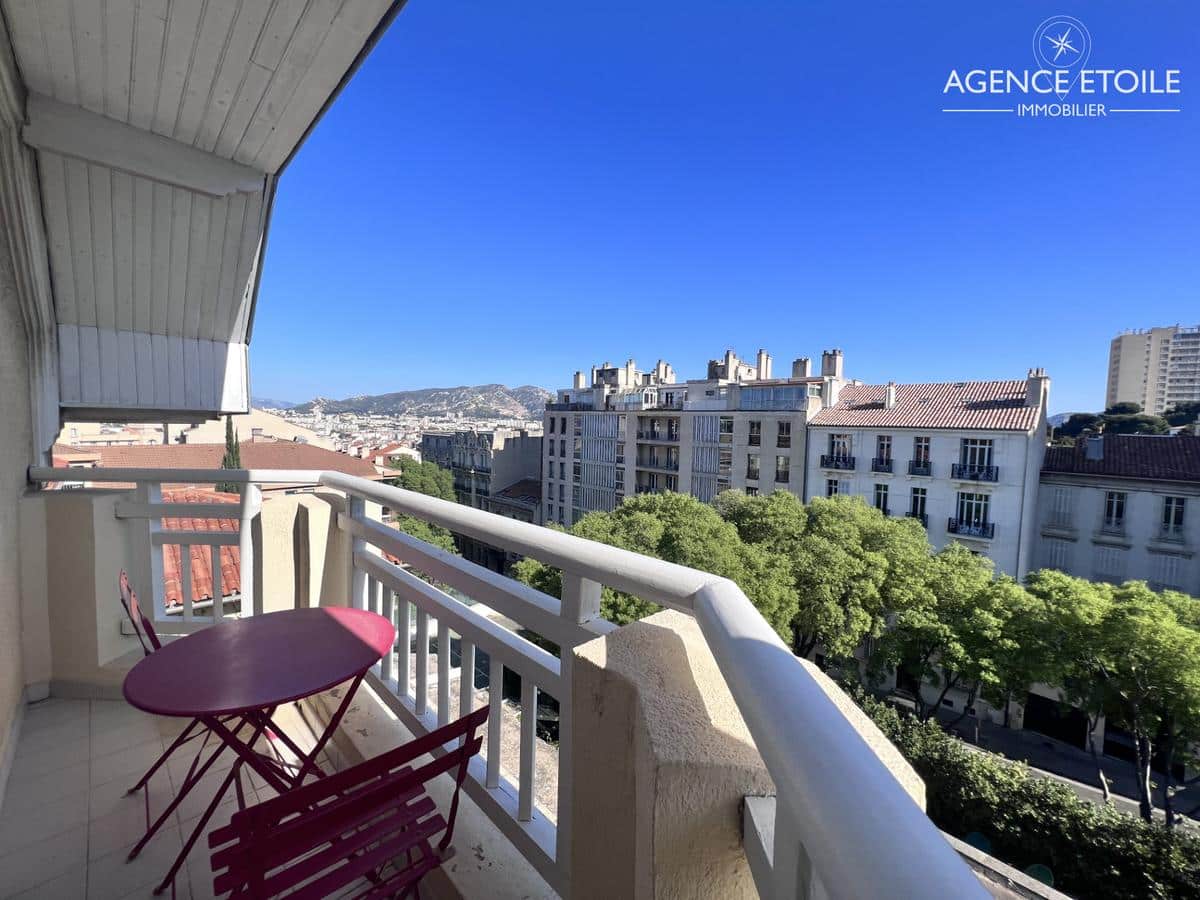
x: 528, y: 490
x: 984, y: 405
x: 1175, y: 458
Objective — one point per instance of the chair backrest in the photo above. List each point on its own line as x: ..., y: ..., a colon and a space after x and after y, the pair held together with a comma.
x: 142, y: 626
x: 329, y: 834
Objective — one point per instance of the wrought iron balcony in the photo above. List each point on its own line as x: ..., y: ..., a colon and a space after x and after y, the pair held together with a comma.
x: 833, y: 461
x: 971, y: 529
x: 965, y: 472
x: 920, y: 467
x: 881, y: 464
x: 923, y: 517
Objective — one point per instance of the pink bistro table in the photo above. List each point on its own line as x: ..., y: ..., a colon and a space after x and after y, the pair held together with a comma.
x: 233, y: 676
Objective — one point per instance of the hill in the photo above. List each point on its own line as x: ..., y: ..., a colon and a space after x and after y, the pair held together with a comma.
x: 483, y: 401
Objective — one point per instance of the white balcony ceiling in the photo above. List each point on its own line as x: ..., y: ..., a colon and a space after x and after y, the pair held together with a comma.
x: 159, y: 128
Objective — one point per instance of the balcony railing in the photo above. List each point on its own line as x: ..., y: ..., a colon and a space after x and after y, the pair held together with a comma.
x: 816, y: 833
x: 920, y: 467
x: 971, y: 529
x: 665, y: 436
x: 881, y: 464
x: 971, y: 472
x: 923, y: 518
x: 663, y: 465
x: 1172, y: 533
x: 833, y: 461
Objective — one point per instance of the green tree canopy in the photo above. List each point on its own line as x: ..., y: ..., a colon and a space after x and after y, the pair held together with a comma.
x: 1078, y: 423
x: 1135, y: 424
x: 1126, y: 408
x: 430, y: 479
x: 1183, y: 413
x: 680, y: 529
x: 232, y: 458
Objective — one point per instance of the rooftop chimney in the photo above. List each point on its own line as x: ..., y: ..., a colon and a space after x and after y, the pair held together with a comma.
x: 831, y: 363
x: 1093, y: 447
x: 889, y: 395
x: 802, y: 367
x: 1037, y: 388
x: 579, y: 382
x: 764, y: 365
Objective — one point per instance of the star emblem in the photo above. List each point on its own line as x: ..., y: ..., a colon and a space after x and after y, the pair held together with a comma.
x: 1061, y: 44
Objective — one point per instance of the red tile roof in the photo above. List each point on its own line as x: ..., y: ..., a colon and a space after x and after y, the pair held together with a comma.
x: 985, y: 405
x: 1158, y: 457
x: 201, y: 556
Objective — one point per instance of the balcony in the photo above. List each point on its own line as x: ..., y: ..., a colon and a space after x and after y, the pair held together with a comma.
x: 881, y: 464
x: 963, y: 528
x: 523, y: 802
x: 921, y: 517
x: 659, y: 465
x: 833, y: 461
x: 921, y: 467
x: 965, y: 472
x: 661, y: 437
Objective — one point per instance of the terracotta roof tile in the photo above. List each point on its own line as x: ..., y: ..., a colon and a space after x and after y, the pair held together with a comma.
x: 200, y: 556
x: 1159, y: 457
x: 984, y: 405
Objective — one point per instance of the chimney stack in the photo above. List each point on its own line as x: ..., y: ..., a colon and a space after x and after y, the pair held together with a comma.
x: 764, y: 365
x: 1037, y: 388
x: 831, y: 363
x: 1094, y: 448
x: 802, y: 367
x: 579, y: 383
x: 889, y: 395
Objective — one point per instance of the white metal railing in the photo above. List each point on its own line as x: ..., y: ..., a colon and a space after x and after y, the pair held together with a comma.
x: 843, y: 825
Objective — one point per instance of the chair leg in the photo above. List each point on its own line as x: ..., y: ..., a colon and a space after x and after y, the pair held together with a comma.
x: 175, y: 745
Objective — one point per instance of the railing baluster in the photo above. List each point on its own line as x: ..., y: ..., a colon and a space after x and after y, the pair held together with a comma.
x: 495, y: 714
x: 185, y: 580
x: 529, y: 693
x: 357, y: 508
x: 443, y: 660
x: 466, y: 677
x: 404, y: 628
x: 422, y: 698
x: 251, y: 506
x: 389, y: 609
x: 375, y: 605
x: 214, y: 559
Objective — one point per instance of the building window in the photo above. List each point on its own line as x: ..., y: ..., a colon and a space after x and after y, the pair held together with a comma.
x: 916, y: 503
x: 562, y: 471
x: 550, y: 506
x: 832, y: 487
x: 726, y: 430
x: 1172, y: 518
x: 552, y: 425
x: 1168, y: 574
x: 1110, y: 564
x: 839, y: 446
x: 883, y: 447
x: 976, y: 453
x: 881, y: 498
x: 1056, y: 554
x: 562, y: 425
x: 751, y: 492
x: 562, y: 493
x: 784, y: 438
x: 783, y: 472
x: 562, y: 447
x: 973, y: 509
x: 755, y: 433
x: 921, y: 450
x: 752, y: 466
x: 1114, y: 511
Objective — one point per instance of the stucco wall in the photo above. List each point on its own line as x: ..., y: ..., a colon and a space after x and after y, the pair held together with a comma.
x: 15, y: 444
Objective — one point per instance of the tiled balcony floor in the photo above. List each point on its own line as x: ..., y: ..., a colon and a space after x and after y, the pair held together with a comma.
x: 67, y: 825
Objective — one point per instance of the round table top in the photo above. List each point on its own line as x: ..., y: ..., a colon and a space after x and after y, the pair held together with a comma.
x: 258, y: 662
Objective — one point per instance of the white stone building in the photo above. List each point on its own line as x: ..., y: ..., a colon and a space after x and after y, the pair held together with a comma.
x: 1123, y: 507
x: 962, y: 457
x: 1155, y: 368
x: 642, y: 432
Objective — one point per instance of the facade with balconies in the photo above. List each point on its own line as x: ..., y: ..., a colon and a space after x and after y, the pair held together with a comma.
x: 1120, y: 507
x: 961, y: 458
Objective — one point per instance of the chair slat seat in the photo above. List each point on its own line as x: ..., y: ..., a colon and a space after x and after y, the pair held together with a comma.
x: 373, y: 823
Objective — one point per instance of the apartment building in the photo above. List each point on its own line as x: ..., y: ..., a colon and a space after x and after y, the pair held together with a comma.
x: 625, y: 431
x: 437, y: 447
x: 1155, y: 367
x: 1120, y: 507
x: 962, y: 457
x: 486, y: 462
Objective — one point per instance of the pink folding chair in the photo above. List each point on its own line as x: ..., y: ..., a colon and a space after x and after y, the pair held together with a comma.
x: 370, y: 829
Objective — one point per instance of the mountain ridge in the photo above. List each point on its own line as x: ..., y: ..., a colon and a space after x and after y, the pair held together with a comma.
x: 485, y: 401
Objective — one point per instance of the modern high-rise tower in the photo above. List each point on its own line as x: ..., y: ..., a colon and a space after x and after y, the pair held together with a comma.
x: 1155, y: 367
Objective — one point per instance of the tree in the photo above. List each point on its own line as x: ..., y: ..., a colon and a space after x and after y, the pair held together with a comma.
x: 232, y: 458
x: 430, y: 479
x: 1134, y: 424
x: 1183, y: 413
x: 1125, y: 408
x: 680, y: 529
x: 1078, y: 423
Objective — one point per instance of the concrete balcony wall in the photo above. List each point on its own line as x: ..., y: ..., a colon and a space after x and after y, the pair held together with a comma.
x: 663, y: 762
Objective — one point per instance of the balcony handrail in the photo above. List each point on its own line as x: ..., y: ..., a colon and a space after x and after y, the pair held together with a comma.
x: 803, y: 741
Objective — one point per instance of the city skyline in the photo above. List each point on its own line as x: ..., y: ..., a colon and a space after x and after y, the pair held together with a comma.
x: 722, y: 183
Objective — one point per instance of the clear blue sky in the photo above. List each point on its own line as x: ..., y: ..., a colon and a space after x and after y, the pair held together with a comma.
x: 508, y: 193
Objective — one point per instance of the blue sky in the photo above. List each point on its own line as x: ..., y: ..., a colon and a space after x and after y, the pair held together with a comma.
x: 508, y: 193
